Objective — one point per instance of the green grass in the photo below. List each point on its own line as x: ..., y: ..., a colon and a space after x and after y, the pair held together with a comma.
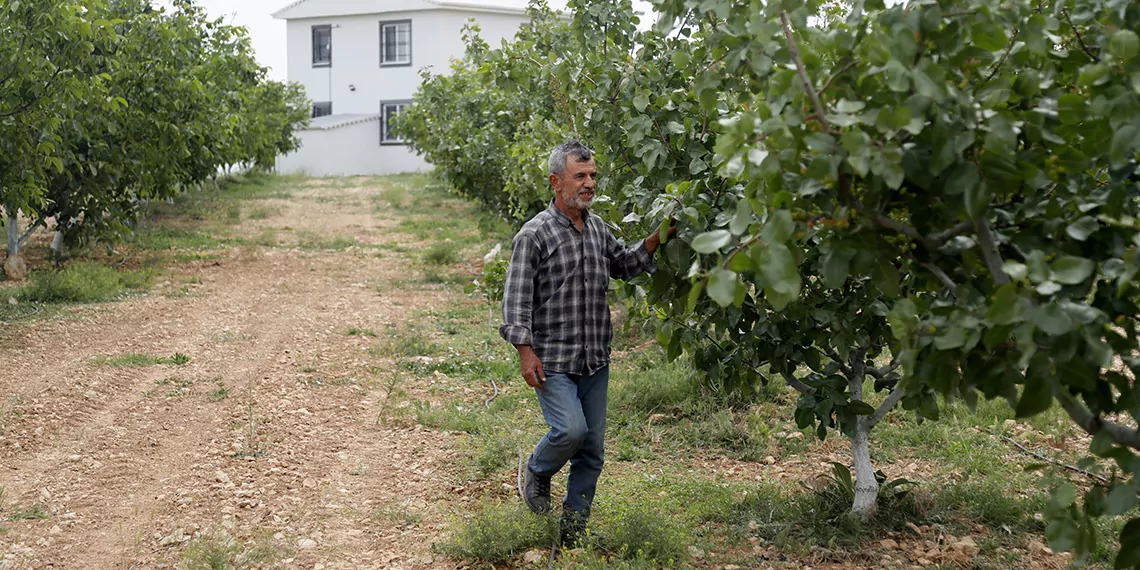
x: 139, y: 359
x: 442, y: 253
x: 224, y: 552
x: 497, y: 532
x: 84, y: 282
x: 35, y: 512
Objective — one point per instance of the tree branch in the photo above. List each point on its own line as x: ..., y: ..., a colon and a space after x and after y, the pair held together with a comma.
x: 1094, y: 424
x: 39, y: 224
x: 835, y: 358
x: 931, y: 242
x: 827, y: 83
x: 1005, y: 56
x: 1080, y: 40
x: 990, y: 252
x: 941, y: 275
x: 797, y: 384
x: 795, y: 53
x: 34, y: 100
x: 880, y: 373
x: 880, y: 412
x: 1032, y: 453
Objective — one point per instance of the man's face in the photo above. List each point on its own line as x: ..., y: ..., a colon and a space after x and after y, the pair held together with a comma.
x: 575, y: 186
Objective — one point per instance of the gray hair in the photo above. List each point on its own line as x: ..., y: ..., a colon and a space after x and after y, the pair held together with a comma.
x: 558, y: 155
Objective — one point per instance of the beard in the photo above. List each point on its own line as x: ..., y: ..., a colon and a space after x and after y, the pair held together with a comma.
x: 579, y: 200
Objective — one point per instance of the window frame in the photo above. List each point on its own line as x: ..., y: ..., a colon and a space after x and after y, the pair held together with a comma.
x: 321, y: 104
x: 407, y: 63
x: 401, y: 104
x: 313, y: 44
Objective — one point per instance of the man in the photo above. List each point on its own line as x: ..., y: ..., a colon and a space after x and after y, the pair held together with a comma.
x: 555, y: 313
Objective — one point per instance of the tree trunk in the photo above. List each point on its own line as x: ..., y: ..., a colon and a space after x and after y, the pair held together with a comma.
x: 866, y: 486
x: 13, y: 227
x: 57, y: 244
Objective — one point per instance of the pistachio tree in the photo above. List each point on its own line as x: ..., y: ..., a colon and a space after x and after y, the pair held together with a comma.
x: 931, y: 199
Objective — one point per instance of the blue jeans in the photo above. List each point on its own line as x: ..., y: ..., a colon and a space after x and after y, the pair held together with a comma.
x: 574, y: 407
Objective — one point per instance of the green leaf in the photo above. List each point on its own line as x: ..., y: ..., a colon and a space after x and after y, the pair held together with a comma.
x: 781, y: 277
x: 953, y: 337
x: 885, y: 277
x: 710, y: 242
x: 675, y: 127
x: 1081, y: 229
x: 836, y: 267
x: 1053, y: 320
x: 1004, y: 308
x: 988, y: 35
x: 1071, y: 108
x: 697, y: 166
x: 1129, y: 555
x: 1125, y: 44
x: 663, y: 230
x: 640, y: 102
x: 1070, y: 270
x: 742, y: 219
x: 694, y: 296
x: 860, y: 408
x: 1123, y: 147
x: 681, y: 59
x: 778, y: 228
x: 722, y: 286
x: 1036, y: 397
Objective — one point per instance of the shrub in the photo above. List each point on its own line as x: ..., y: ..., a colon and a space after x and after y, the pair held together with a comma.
x: 498, y: 532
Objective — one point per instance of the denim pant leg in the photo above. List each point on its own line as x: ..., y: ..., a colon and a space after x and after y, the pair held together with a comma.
x: 586, y: 464
x: 563, y: 413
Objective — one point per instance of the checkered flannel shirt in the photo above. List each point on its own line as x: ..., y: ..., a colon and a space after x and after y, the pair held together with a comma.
x: 555, y: 294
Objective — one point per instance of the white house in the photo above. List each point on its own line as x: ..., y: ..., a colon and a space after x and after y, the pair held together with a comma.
x: 359, y: 62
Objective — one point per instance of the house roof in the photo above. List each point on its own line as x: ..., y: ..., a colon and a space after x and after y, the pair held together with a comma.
x: 324, y: 8
x: 329, y: 122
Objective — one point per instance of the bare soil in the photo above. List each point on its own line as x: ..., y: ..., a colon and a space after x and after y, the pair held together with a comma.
x: 134, y: 466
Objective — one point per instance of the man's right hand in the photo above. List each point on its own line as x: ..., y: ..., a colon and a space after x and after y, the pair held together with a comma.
x: 531, y: 366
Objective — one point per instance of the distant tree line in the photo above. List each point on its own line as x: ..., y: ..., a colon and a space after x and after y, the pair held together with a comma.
x: 106, y: 104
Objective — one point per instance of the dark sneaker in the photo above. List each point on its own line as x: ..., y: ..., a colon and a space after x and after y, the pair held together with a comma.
x: 535, y: 491
x: 572, y: 530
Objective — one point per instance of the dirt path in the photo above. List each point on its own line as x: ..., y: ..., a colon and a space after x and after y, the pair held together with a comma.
x: 269, y: 435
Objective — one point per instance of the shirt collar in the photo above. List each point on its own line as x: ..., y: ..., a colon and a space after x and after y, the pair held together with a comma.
x: 563, y: 218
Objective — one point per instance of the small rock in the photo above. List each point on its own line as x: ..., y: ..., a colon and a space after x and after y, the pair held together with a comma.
x: 13, y: 301
x: 306, y: 544
x: 74, y: 457
x: 309, y: 483
x: 889, y: 544
x: 695, y: 552
x: 55, y: 530
x: 731, y: 567
x: 795, y: 436
x: 45, y: 494
x: 534, y: 556
x: 769, y: 460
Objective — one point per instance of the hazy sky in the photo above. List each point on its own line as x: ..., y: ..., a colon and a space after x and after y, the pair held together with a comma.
x: 268, y: 34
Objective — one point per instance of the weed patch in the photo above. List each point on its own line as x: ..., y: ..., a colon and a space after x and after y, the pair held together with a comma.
x: 138, y: 359
x: 442, y: 253
x: 224, y: 552
x: 85, y: 282
x: 497, y: 532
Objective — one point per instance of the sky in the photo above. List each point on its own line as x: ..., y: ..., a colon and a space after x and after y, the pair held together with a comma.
x: 268, y: 34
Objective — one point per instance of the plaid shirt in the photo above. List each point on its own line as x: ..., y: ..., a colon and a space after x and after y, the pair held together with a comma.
x: 555, y: 294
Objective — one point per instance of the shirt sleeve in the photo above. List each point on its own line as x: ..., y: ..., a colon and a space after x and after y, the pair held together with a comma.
x: 626, y: 262
x: 518, y: 292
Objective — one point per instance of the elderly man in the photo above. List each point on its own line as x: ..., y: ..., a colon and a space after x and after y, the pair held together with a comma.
x: 555, y: 313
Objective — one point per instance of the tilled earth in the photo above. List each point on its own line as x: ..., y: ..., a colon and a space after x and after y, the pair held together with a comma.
x: 270, y: 437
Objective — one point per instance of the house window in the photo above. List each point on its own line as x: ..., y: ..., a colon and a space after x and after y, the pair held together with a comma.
x: 322, y: 109
x: 389, y: 110
x: 322, y: 46
x: 396, y: 43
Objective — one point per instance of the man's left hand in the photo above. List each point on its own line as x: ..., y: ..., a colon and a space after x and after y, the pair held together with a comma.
x: 654, y: 239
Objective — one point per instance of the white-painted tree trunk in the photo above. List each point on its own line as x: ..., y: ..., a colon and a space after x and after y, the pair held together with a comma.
x: 866, y: 486
x: 57, y: 244
x: 13, y: 227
